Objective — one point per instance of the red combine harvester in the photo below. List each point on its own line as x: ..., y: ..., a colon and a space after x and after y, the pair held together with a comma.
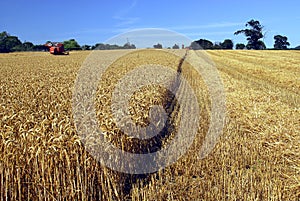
x: 56, y: 48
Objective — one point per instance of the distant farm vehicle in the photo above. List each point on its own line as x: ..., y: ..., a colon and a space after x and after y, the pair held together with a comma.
x: 56, y: 48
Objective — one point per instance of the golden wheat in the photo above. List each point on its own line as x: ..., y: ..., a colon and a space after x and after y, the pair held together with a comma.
x: 257, y: 157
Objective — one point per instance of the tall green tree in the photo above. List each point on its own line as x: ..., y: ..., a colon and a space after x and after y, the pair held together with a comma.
x: 254, y: 35
x: 3, y: 35
x: 195, y: 46
x: 175, y: 46
x: 8, y: 43
x: 281, y: 42
x: 227, y: 44
x: 202, y: 44
x: 158, y: 46
x: 240, y: 46
x: 40, y: 48
x: 71, y: 45
x: 26, y: 46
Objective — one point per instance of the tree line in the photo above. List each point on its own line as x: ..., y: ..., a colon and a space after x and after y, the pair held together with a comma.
x: 253, y: 33
x: 10, y: 43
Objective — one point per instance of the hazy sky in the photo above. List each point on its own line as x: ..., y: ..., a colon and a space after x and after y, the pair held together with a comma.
x: 94, y: 21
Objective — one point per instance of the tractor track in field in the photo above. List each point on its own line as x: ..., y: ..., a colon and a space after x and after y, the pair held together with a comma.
x: 173, y: 109
x: 176, y: 82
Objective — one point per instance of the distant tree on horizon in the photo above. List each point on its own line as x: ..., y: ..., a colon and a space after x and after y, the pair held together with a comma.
x: 175, y: 46
x: 129, y: 46
x: 9, y: 43
x: 281, y: 42
x: 86, y: 47
x: 71, y: 44
x: 227, y: 44
x: 157, y: 46
x: 253, y: 34
x: 202, y: 44
x: 240, y: 46
x: 102, y: 46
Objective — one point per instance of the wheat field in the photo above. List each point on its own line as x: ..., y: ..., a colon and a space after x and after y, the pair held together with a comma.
x: 256, y: 158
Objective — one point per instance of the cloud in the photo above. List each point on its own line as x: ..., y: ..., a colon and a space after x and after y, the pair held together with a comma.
x: 209, y: 33
x: 208, y: 26
x: 126, y: 10
x: 123, y: 19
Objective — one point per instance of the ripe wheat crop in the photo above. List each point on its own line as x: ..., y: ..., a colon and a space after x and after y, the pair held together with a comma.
x: 256, y: 158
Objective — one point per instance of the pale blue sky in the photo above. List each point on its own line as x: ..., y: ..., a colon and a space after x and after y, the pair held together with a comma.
x: 94, y: 21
